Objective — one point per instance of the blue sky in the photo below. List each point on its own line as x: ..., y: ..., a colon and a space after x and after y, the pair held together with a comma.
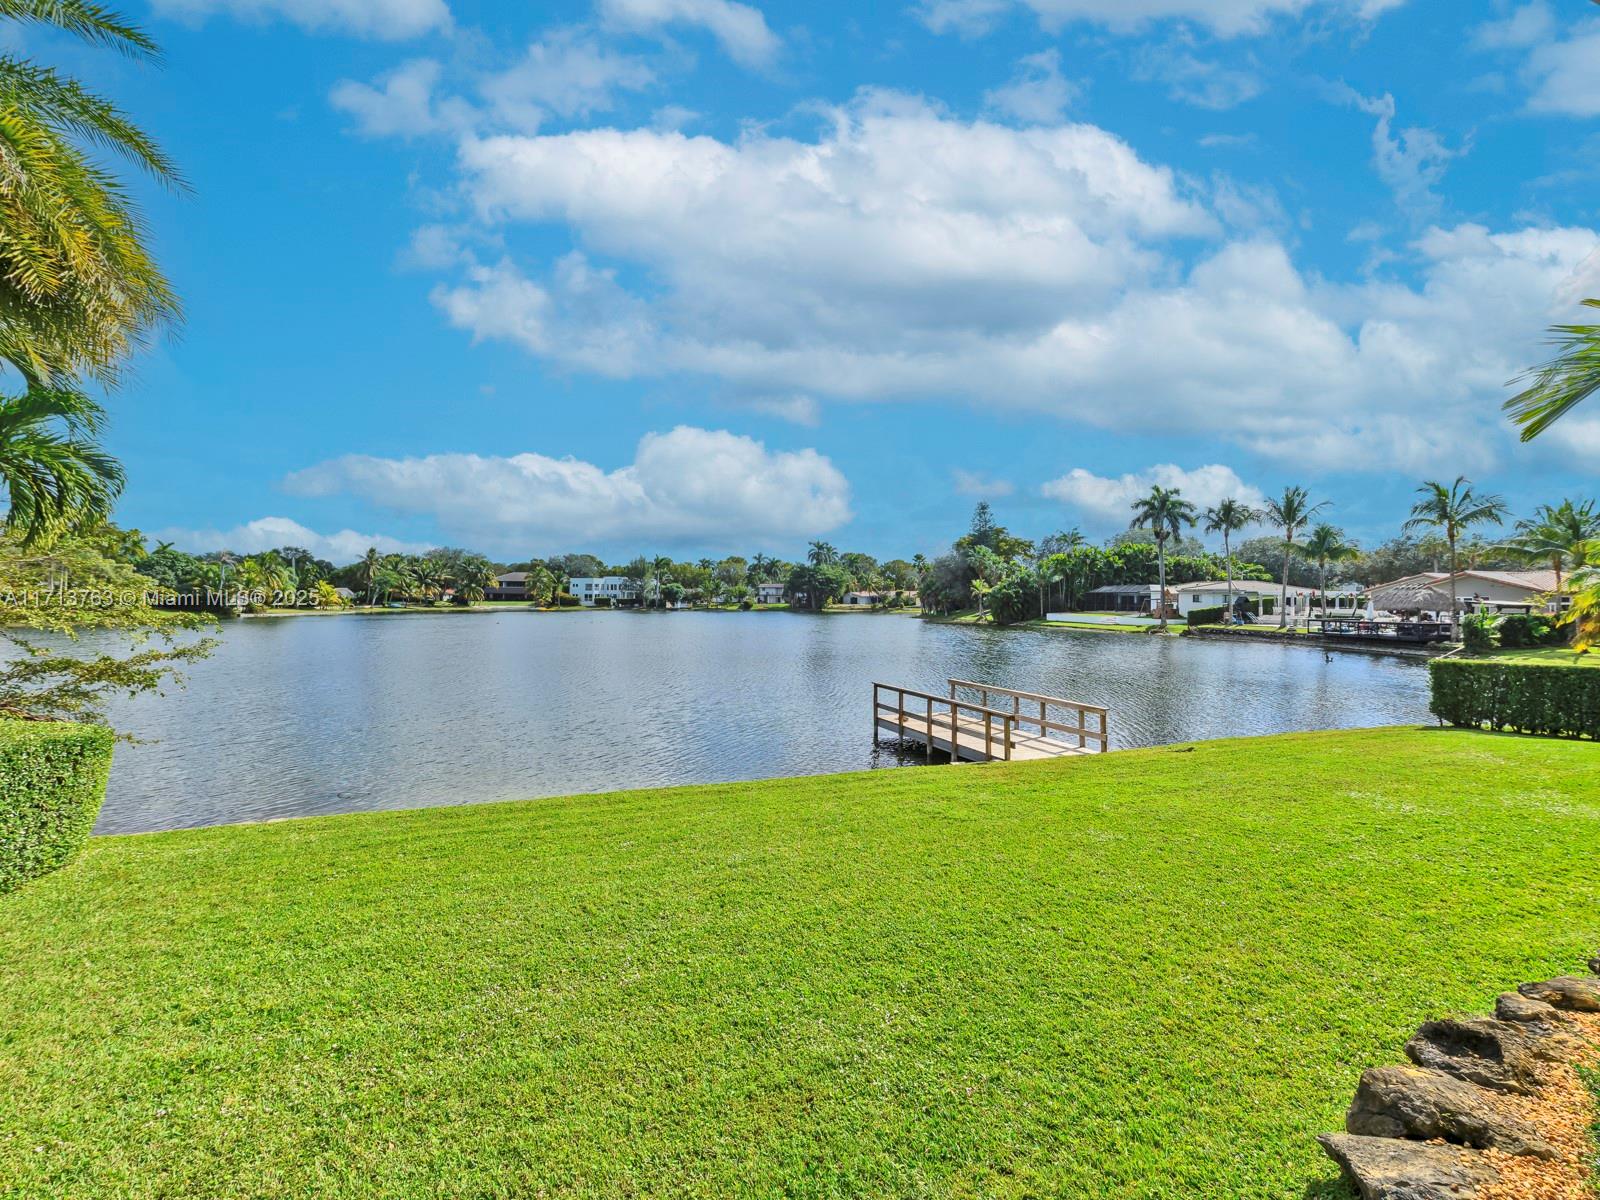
x: 696, y: 276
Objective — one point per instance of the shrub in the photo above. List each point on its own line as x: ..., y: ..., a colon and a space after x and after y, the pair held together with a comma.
x: 566, y: 600
x: 1560, y: 701
x: 602, y: 601
x: 746, y: 604
x: 1519, y: 631
x: 1208, y: 616
x: 1477, y: 633
x: 52, y: 780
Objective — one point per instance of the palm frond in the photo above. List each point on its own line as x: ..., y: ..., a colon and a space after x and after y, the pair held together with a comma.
x: 94, y: 23
x: 1561, y: 384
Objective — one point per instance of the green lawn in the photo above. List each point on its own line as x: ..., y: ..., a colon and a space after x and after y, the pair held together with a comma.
x: 1144, y: 974
x: 1548, y: 656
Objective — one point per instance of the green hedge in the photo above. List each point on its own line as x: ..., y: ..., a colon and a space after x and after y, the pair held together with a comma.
x: 52, y: 780
x: 1558, y: 700
x: 1207, y: 616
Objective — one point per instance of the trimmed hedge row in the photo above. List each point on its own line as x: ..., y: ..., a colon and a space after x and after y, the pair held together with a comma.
x: 1557, y: 700
x: 52, y: 781
x: 1208, y: 616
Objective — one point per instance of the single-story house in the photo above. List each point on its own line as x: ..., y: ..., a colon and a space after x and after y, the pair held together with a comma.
x: 769, y: 593
x: 345, y: 594
x: 617, y: 589
x: 863, y: 599
x: 1476, y: 591
x: 513, y: 585
x: 1214, y: 594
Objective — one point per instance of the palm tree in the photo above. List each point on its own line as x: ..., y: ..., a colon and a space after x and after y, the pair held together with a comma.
x: 1325, y: 545
x: 1563, y: 535
x: 1290, y: 512
x: 758, y: 569
x: 1561, y: 384
x: 1164, y: 512
x: 54, y: 473
x: 1228, y: 517
x: 822, y: 554
x: 78, y: 287
x: 1452, y: 511
x: 367, y: 573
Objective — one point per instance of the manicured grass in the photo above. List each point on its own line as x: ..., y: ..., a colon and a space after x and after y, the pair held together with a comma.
x: 1172, y: 626
x: 1547, y: 656
x: 1144, y: 974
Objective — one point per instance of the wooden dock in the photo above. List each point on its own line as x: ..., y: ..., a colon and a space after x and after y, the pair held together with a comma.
x: 1006, y: 729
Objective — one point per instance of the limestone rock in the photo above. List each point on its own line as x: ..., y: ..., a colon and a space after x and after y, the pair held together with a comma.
x: 1565, y: 991
x: 1493, y: 1054
x: 1514, y: 1006
x: 1415, y: 1102
x: 1395, y: 1169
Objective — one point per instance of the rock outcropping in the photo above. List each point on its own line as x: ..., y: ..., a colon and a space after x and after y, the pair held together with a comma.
x: 1432, y: 1131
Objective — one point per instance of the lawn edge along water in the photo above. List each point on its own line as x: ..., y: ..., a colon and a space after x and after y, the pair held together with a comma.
x: 1144, y: 974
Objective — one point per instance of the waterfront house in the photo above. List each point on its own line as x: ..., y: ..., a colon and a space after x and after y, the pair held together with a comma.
x: 863, y: 599
x: 513, y: 585
x: 616, y: 590
x: 345, y: 594
x: 769, y: 593
x: 1477, y: 591
x: 1213, y: 593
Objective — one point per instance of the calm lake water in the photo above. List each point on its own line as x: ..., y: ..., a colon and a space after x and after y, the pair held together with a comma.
x: 306, y: 715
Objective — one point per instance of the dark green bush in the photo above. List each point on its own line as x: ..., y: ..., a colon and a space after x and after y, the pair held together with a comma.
x: 1561, y: 701
x: 1208, y: 616
x: 1520, y: 631
x: 52, y: 780
x: 566, y: 600
x: 1478, y: 633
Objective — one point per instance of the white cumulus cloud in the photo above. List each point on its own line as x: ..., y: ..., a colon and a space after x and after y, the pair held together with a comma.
x: 271, y: 533
x: 1038, y: 93
x: 391, y: 20
x: 740, y: 29
x: 904, y: 254
x: 686, y: 486
x: 1226, y: 18
x: 401, y: 102
x: 1109, y: 499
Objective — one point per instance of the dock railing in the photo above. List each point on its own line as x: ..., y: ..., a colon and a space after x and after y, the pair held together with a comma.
x: 998, y: 724
x: 1080, y: 728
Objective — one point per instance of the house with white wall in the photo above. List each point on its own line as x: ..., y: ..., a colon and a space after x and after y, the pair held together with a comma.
x: 615, y: 589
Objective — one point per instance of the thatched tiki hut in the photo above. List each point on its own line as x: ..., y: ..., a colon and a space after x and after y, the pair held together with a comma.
x: 1415, y: 596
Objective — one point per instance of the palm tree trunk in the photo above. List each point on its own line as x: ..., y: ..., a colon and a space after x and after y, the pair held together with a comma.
x: 1455, y: 607
x: 1227, y: 564
x: 1161, y: 576
x: 1283, y: 593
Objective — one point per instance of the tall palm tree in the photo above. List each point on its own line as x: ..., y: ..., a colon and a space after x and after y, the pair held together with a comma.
x: 54, y: 473
x: 78, y: 288
x: 1562, y: 536
x: 1562, y: 383
x: 367, y: 573
x: 1164, y: 512
x: 1326, y: 544
x: 1452, y: 511
x: 760, y: 566
x: 822, y: 554
x: 1228, y: 517
x: 1290, y: 512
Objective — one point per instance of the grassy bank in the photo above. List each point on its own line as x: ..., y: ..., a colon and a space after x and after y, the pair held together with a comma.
x: 1145, y: 974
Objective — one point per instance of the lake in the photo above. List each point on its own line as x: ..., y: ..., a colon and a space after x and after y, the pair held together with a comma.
x: 302, y: 715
